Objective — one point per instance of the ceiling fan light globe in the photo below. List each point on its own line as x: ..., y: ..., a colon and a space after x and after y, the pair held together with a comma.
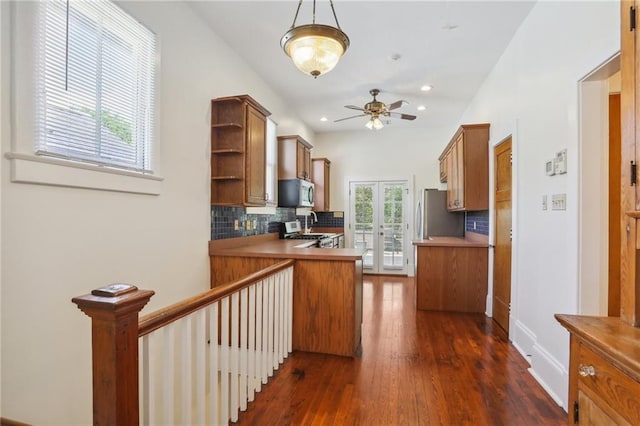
x: 377, y: 124
x: 369, y: 125
x: 315, y: 49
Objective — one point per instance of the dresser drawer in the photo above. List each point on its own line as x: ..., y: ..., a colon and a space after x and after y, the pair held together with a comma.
x: 598, y: 377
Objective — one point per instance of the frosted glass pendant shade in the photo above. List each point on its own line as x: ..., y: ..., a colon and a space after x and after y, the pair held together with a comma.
x: 315, y: 49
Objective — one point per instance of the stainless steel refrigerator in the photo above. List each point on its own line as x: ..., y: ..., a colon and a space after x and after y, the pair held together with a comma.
x: 432, y: 217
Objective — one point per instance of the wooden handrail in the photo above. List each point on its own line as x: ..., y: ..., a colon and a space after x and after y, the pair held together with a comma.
x: 162, y: 317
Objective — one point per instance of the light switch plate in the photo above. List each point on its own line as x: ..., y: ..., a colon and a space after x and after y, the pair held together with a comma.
x: 544, y: 202
x: 559, y: 202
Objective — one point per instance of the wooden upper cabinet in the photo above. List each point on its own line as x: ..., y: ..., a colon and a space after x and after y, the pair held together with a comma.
x: 320, y: 176
x: 294, y: 158
x: 238, y: 151
x: 464, y: 165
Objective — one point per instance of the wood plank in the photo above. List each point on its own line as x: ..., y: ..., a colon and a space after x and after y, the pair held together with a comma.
x: 417, y: 368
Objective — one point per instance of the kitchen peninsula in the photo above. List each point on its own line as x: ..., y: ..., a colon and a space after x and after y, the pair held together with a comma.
x: 451, y: 273
x: 327, y: 287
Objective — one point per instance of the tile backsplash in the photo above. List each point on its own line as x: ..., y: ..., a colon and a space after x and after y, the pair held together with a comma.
x: 477, y: 222
x: 223, y: 220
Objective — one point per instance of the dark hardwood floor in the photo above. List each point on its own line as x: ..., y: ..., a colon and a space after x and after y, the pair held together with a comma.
x: 417, y: 368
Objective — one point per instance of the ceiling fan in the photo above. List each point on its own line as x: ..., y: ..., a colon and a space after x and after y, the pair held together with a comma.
x: 377, y: 109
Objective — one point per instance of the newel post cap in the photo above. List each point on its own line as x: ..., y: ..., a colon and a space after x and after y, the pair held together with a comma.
x: 113, y: 300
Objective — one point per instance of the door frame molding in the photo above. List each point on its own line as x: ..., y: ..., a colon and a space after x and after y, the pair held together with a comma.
x: 409, y: 216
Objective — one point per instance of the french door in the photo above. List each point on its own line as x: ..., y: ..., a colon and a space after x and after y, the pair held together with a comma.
x: 378, y: 224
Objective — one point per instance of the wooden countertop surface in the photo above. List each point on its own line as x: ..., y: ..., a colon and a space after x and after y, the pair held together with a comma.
x: 620, y: 341
x: 471, y: 239
x: 270, y: 246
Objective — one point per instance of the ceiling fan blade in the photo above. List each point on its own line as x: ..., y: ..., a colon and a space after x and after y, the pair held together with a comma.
x: 349, y: 118
x: 354, y: 107
x: 396, y: 104
x: 402, y: 116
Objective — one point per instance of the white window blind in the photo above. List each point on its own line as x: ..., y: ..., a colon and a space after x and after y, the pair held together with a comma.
x: 96, y: 85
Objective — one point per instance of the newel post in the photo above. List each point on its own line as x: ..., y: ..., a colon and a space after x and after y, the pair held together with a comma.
x: 114, y: 338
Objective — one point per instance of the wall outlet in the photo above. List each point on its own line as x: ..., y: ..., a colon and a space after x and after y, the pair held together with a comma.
x: 236, y: 225
x: 559, y: 202
x: 475, y: 225
x: 248, y: 225
x: 255, y: 223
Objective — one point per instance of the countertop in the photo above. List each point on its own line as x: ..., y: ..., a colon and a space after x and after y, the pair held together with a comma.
x: 471, y: 239
x: 271, y: 246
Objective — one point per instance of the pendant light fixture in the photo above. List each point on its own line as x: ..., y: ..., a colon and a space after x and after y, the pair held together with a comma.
x: 315, y: 48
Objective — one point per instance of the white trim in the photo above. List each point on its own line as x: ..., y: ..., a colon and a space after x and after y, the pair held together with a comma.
x: 523, y: 339
x: 550, y: 373
x: 56, y: 172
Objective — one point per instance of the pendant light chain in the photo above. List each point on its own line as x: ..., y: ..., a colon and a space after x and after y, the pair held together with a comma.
x: 335, y: 17
x: 334, y: 13
x: 295, y: 18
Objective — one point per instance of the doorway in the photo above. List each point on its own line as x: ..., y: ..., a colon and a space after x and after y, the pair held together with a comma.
x: 379, y: 224
x: 598, y: 251
x: 503, y: 232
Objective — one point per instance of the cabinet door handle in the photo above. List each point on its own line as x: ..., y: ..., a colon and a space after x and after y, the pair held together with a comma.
x: 586, y: 370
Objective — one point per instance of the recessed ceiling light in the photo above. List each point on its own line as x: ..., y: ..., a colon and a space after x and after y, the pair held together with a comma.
x: 421, y: 108
x: 323, y: 119
x: 426, y: 88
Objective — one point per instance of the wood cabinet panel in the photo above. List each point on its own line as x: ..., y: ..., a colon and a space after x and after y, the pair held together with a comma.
x: 294, y: 158
x: 225, y: 269
x: 327, y: 307
x: 238, y: 151
x: 464, y: 166
x: 321, y: 177
x: 619, y: 394
x: 452, y: 278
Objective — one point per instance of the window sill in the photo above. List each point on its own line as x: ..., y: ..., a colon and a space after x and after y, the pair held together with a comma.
x: 33, y: 169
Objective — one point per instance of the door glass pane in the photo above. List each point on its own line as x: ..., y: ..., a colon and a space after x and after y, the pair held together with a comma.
x: 363, y: 235
x: 393, y: 225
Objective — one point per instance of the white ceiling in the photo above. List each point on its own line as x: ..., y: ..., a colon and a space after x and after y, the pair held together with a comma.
x: 455, y: 61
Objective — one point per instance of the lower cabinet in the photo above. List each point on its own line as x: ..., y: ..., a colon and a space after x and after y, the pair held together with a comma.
x: 452, y: 278
x: 604, y: 371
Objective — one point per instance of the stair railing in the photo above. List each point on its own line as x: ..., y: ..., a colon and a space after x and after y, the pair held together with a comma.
x: 201, y: 360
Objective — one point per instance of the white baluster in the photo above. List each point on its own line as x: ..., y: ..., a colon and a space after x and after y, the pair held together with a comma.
x: 187, y: 350
x: 198, y: 372
x: 277, y: 330
x: 244, y: 313
x: 214, y: 363
x: 251, y: 347
x: 289, y: 274
x: 224, y: 361
x: 143, y: 350
x: 270, y: 327
x: 281, y: 324
x: 265, y: 330
x: 168, y: 378
x: 235, y: 356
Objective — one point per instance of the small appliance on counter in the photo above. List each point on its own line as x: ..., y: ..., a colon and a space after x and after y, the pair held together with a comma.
x: 433, y: 219
x: 295, y: 193
x: 291, y: 231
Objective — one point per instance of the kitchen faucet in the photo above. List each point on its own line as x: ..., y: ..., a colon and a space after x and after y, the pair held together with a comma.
x: 307, y: 229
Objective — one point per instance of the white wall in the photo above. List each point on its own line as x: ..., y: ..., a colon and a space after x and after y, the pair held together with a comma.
x: 60, y: 242
x: 532, y: 93
x: 385, y: 153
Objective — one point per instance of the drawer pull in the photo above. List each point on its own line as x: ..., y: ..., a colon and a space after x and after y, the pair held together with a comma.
x: 586, y: 370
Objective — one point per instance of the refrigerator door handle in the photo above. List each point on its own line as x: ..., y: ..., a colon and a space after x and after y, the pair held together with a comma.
x: 419, y: 220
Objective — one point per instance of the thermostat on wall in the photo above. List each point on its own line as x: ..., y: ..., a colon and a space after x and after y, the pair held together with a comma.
x: 561, y: 162
x: 550, y: 168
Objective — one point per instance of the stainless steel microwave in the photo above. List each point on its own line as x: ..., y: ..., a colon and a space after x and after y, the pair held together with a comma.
x: 295, y: 193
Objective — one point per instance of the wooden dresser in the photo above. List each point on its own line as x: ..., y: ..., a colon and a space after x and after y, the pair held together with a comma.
x: 604, y: 370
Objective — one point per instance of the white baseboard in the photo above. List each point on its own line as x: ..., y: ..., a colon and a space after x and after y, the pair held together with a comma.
x: 551, y: 375
x: 523, y: 339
